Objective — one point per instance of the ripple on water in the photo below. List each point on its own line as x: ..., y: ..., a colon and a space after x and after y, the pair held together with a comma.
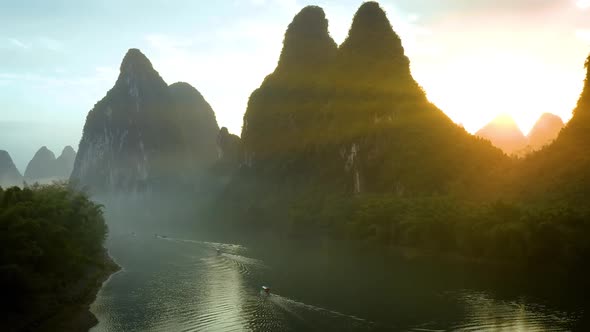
x: 185, y: 285
x: 487, y: 314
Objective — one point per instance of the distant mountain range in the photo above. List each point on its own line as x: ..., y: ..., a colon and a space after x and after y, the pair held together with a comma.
x: 9, y: 174
x: 340, y: 140
x: 505, y: 134
x: 545, y: 131
x: 43, y: 168
x: 332, y: 124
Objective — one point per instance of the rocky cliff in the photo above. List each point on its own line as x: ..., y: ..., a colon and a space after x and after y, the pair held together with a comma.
x: 197, y: 123
x: 144, y: 135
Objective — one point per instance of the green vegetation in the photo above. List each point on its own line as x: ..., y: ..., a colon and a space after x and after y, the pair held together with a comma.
x: 497, y: 231
x: 52, y: 240
x: 352, y: 148
x: 327, y: 114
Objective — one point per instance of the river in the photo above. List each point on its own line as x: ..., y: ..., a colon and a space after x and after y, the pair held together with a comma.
x: 181, y: 282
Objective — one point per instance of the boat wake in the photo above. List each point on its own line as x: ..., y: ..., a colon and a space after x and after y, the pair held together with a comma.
x: 299, y: 310
x: 230, y: 247
x: 228, y: 252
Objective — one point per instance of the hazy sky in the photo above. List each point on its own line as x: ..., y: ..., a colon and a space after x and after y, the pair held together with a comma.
x: 475, y: 58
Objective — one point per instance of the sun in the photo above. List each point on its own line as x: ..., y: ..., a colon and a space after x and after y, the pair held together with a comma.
x: 583, y: 4
x: 479, y: 87
x: 504, y: 119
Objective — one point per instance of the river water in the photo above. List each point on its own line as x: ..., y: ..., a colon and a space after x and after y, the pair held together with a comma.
x: 180, y: 282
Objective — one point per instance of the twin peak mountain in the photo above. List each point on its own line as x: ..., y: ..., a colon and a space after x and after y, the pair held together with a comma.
x: 504, y: 133
x: 44, y: 167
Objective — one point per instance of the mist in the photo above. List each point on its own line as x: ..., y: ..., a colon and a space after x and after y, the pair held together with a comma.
x: 316, y: 179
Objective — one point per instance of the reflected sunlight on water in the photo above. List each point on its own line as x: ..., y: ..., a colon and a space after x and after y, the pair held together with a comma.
x: 486, y: 314
x: 171, y: 284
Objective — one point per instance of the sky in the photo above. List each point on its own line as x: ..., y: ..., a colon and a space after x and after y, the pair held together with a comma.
x: 476, y: 59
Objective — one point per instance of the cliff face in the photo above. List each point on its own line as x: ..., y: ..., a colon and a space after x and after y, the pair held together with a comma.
x: 144, y: 135
x: 197, y: 123
x: 352, y: 119
x: 9, y: 174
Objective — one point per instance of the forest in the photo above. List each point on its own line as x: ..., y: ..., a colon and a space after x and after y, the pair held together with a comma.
x: 340, y: 141
x: 52, y: 251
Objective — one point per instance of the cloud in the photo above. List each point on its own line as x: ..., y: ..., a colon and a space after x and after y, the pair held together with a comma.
x: 38, y: 43
x: 51, y: 44
x: 18, y: 43
x: 583, y: 4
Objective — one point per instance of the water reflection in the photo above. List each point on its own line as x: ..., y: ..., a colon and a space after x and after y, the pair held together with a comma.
x: 486, y: 314
x: 171, y: 284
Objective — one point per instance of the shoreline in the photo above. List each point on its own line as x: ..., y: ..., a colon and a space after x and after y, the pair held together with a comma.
x: 77, y: 316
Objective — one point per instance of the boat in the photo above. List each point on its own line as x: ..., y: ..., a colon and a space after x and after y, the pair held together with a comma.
x: 266, y: 290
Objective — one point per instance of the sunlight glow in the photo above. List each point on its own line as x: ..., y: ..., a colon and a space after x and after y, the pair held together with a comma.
x: 583, y: 4
x: 504, y: 119
x: 476, y: 88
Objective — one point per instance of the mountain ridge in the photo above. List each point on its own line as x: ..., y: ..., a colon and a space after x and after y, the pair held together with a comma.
x: 138, y: 138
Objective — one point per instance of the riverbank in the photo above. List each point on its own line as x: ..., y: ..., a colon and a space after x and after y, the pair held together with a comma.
x: 71, y: 311
x: 322, y: 239
x: 76, y: 316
